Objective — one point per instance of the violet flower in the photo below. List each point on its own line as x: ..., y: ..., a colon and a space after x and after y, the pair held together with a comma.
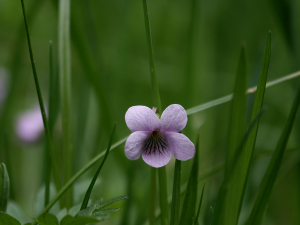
x: 30, y: 125
x: 157, y: 139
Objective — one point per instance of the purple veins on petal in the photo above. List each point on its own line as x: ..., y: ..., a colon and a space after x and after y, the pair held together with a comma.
x: 135, y: 143
x: 182, y: 148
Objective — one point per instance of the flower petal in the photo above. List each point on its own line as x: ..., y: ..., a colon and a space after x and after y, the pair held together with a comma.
x: 141, y: 118
x: 173, y: 118
x: 134, y: 144
x: 156, y: 158
x: 180, y: 146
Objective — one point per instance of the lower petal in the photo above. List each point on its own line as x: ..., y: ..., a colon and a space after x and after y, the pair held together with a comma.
x: 156, y: 158
x: 134, y: 144
x: 180, y: 146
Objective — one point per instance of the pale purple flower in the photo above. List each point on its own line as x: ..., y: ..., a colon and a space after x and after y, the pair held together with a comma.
x: 30, y: 125
x: 157, y: 139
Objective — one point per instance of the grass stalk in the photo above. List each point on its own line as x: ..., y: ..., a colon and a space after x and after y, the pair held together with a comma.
x: 41, y: 103
x: 64, y: 56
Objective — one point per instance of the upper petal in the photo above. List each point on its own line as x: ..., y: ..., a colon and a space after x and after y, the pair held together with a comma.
x: 182, y: 148
x: 134, y: 144
x: 173, y: 118
x: 141, y: 118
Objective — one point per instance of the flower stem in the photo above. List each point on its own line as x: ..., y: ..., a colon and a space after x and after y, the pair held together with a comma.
x: 162, y: 175
x: 152, y: 197
x: 163, y: 195
x: 175, y: 205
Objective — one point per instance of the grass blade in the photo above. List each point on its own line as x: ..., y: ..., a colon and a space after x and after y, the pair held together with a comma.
x: 200, y: 203
x: 189, y: 204
x: 259, y: 96
x: 4, y: 187
x: 89, y: 191
x: 268, y: 182
x: 65, y: 85
x: 155, y: 91
x: 228, y: 202
x: 175, y: 205
x: 41, y: 103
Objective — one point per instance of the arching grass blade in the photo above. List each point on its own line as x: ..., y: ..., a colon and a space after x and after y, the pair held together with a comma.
x: 89, y: 191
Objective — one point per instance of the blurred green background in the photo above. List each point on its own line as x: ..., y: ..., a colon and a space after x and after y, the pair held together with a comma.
x: 196, y: 50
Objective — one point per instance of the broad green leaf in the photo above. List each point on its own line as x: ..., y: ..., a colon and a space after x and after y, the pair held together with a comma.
x: 228, y: 203
x: 111, y: 201
x: 89, y: 190
x: 175, y: 205
x: 61, y: 214
x: 80, y: 220
x: 47, y: 219
x: 103, y: 214
x: 189, y: 205
x: 74, y: 210
x: 4, y: 187
x: 6, y: 219
x: 268, y: 182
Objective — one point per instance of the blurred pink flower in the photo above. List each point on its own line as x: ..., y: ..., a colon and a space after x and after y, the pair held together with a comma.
x: 157, y: 139
x: 30, y: 125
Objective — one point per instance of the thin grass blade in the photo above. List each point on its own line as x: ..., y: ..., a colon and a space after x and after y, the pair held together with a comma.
x: 89, y: 191
x: 199, y: 208
x: 189, y: 204
x: 175, y: 205
x: 42, y: 107
x: 268, y: 182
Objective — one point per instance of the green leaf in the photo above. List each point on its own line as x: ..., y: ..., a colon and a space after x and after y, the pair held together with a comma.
x: 61, y: 214
x: 111, y: 201
x: 229, y: 194
x: 47, y: 219
x: 6, y: 219
x: 89, y: 190
x: 200, y: 203
x: 4, y: 187
x: 189, y: 204
x: 80, y: 220
x: 103, y: 214
x: 175, y: 205
x: 268, y: 182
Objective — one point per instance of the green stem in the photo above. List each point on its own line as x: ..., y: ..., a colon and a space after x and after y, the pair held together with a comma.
x: 41, y: 103
x: 152, y: 197
x: 65, y: 79
x: 163, y: 195
x: 175, y: 207
x: 162, y: 175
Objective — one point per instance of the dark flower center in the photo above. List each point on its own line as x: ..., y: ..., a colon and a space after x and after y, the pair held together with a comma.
x: 156, y: 143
